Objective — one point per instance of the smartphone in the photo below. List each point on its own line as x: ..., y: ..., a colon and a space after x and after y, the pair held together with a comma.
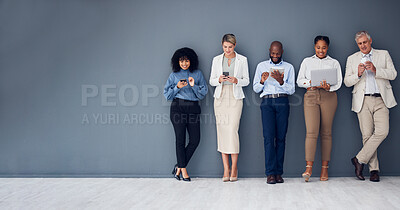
x: 225, y: 73
x: 182, y: 80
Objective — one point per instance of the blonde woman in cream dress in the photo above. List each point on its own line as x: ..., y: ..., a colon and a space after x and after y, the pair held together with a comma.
x: 229, y: 73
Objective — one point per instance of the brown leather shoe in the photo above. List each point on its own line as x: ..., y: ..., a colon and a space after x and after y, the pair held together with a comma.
x: 374, y: 176
x: 358, y: 168
x: 279, y: 179
x: 271, y: 179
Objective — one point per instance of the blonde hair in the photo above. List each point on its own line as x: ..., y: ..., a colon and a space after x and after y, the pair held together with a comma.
x: 229, y: 38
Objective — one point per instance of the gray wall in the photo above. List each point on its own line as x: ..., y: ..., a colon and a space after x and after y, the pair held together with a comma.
x: 54, y: 55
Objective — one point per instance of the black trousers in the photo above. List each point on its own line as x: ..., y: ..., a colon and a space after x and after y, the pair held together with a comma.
x: 185, y: 115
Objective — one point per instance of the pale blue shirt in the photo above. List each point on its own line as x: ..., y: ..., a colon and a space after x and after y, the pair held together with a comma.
x: 271, y: 86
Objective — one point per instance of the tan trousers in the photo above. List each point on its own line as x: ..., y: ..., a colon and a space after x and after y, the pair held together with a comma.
x: 374, y: 125
x: 319, y: 110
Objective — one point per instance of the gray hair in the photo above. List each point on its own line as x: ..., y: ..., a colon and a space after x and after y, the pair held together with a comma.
x: 362, y: 33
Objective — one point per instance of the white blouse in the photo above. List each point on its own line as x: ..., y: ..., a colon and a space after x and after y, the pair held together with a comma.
x: 312, y: 63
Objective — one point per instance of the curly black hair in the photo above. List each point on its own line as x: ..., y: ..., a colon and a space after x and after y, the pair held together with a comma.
x: 183, y: 54
x: 323, y: 38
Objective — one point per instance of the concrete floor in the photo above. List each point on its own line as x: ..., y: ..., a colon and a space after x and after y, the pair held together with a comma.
x: 201, y: 193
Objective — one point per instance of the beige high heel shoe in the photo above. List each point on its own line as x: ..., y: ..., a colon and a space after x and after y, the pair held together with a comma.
x: 226, y: 178
x: 306, y: 175
x: 234, y: 178
x: 324, y: 178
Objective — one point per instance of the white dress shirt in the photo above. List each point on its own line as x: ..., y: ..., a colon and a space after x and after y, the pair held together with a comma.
x: 370, y: 84
x: 313, y: 63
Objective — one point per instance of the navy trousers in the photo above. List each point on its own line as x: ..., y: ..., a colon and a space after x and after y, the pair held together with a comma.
x: 275, y: 116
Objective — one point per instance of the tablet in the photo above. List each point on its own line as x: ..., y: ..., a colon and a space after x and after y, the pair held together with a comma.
x: 318, y: 75
x: 280, y: 69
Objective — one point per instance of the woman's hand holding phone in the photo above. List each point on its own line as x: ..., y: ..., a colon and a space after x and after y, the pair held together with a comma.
x: 182, y: 83
x: 232, y: 80
x: 222, y: 78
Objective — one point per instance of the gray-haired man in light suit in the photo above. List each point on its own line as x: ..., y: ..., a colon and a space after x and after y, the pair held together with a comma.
x: 369, y: 71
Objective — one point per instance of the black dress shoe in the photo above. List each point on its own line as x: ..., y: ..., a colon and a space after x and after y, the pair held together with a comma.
x: 358, y: 168
x: 178, y: 177
x: 374, y: 176
x: 271, y: 179
x: 279, y: 179
x: 186, y: 179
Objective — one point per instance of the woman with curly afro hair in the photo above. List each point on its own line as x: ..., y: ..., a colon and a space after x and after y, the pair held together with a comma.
x: 185, y: 87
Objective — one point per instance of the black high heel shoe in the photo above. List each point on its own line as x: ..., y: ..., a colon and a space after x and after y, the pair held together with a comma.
x: 177, y: 177
x: 186, y: 179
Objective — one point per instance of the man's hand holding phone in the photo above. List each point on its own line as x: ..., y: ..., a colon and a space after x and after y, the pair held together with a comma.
x: 370, y: 66
x: 361, y: 69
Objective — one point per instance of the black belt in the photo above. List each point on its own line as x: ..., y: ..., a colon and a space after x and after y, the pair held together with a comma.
x: 279, y: 95
x: 374, y: 95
